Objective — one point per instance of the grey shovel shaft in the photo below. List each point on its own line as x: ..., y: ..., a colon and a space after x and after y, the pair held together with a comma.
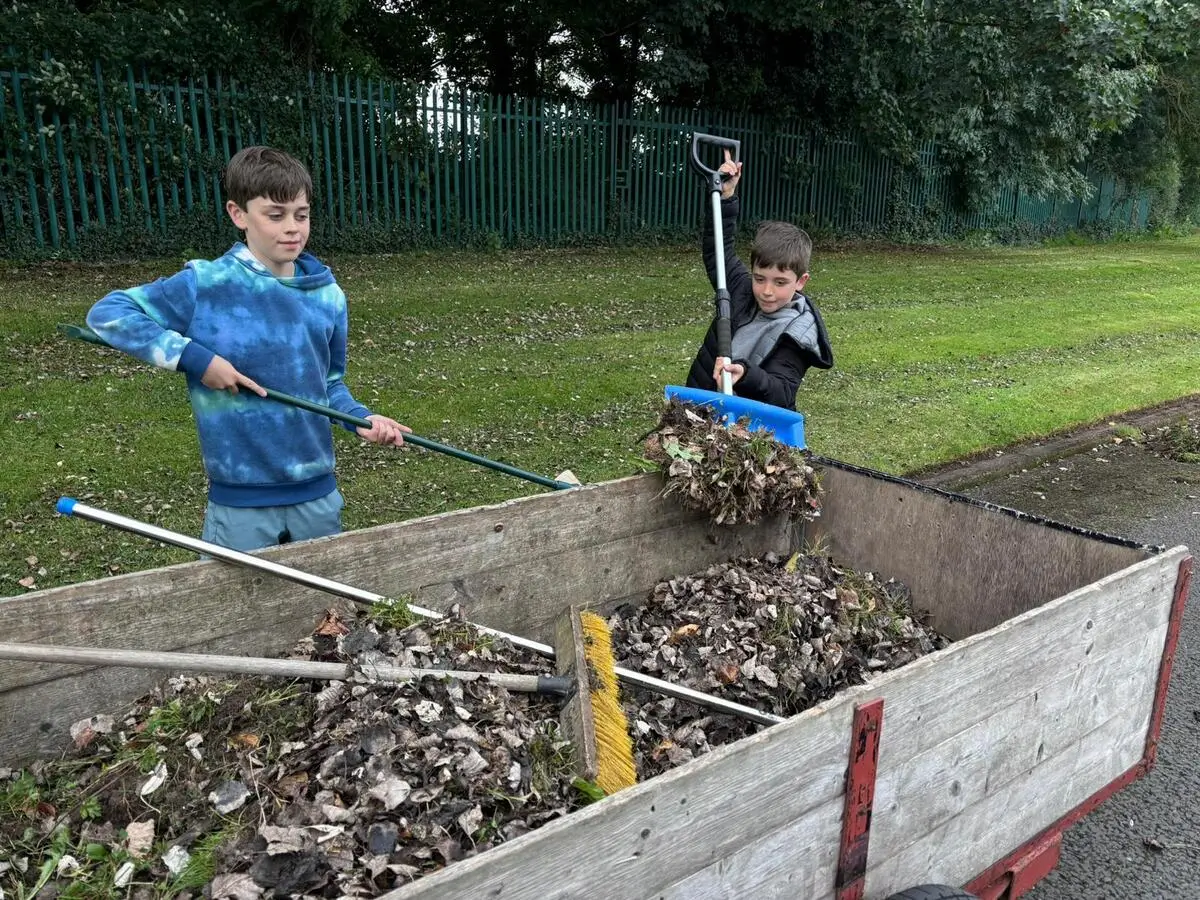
x: 69, y: 507
x: 285, y: 668
x: 713, y: 178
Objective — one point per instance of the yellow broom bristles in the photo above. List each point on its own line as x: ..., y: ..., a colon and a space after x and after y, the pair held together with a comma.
x: 615, y: 768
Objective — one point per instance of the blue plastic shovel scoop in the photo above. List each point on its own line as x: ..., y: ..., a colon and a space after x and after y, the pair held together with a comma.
x: 786, y: 426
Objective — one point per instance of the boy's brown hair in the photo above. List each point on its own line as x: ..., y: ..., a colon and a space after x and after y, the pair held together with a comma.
x: 782, y: 245
x: 266, y: 172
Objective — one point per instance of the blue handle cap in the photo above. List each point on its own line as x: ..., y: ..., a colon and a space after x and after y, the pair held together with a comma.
x: 66, y: 505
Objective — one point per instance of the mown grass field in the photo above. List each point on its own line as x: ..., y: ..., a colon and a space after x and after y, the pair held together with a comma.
x: 556, y: 359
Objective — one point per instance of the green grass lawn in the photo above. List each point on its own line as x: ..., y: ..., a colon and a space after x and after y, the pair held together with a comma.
x: 556, y: 359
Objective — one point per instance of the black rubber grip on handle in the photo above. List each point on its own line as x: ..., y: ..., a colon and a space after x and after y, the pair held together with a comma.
x: 698, y: 138
x: 724, y: 330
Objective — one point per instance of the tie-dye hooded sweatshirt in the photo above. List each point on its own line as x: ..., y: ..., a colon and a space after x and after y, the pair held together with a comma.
x: 288, y: 334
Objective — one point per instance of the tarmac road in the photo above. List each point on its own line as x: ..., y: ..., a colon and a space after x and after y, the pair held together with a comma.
x: 1145, y: 841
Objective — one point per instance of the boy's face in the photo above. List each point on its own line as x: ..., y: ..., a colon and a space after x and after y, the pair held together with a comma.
x: 275, y: 232
x: 774, y: 287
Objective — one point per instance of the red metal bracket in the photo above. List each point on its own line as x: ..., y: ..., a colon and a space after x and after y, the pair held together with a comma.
x: 860, y: 800
x: 1018, y: 872
x: 1023, y: 871
x: 1182, y: 584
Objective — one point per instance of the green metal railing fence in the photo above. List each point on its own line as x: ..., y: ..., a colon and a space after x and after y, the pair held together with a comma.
x: 421, y: 162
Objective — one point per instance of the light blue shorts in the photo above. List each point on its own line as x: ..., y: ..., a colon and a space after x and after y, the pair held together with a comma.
x: 251, y: 528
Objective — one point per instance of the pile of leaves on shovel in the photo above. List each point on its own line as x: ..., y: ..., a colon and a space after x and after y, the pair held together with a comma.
x: 248, y: 787
x: 773, y: 634
x: 732, y: 473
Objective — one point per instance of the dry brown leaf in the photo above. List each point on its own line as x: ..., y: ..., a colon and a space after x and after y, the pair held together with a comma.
x: 247, y: 740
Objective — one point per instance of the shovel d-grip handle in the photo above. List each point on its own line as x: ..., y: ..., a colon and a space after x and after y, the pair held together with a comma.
x: 713, y: 177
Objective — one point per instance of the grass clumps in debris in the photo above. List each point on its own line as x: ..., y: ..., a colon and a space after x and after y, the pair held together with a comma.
x: 391, y: 613
x: 774, y: 634
x: 1180, y: 441
x: 259, y: 788
x: 729, y: 472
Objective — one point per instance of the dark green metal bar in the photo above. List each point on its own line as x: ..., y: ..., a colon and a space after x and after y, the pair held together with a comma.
x: 137, y: 144
x: 337, y: 146
x: 568, y: 174
x: 315, y: 149
x: 202, y: 183
x: 85, y: 211
x: 449, y: 158
x: 185, y: 161
x: 597, y: 150
x: 520, y: 164
x: 157, y: 174
x: 505, y: 187
x: 536, y: 149
x: 17, y: 207
x: 97, y: 179
x: 387, y: 121
x: 222, y: 124
x: 329, y: 186
x: 169, y: 146
x: 379, y: 213
x: 109, y: 150
x: 554, y: 166
x: 464, y: 138
x: 212, y: 149
x: 362, y: 150
x: 65, y: 180
x: 48, y: 184
x: 30, y: 184
x: 483, y: 156
x: 441, y: 175
x: 433, y: 209
x: 351, y: 172
x: 400, y: 169
x: 233, y: 115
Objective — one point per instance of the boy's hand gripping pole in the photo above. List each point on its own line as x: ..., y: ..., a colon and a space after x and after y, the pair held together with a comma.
x: 713, y: 179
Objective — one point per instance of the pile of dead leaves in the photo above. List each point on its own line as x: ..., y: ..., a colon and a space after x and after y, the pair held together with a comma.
x: 254, y: 787
x: 729, y: 472
x: 779, y: 636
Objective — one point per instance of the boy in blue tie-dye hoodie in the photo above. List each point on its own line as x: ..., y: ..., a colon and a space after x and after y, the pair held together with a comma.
x: 264, y: 312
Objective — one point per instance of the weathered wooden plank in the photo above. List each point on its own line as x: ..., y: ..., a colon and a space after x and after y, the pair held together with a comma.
x: 797, y: 861
x: 973, y: 667
x: 648, y: 837
x: 972, y: 567
x: 986, y: 831
x: 918, y: 794
x: 527, y: 595
x: 939, y: 696
x: 514, y: 565
x: 907, y: 796
x: 716, y: 823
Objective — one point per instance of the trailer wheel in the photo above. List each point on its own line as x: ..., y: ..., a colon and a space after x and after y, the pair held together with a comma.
x: 933, y: 892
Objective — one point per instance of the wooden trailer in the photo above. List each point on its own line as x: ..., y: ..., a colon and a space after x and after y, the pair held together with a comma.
x: 962, y: 768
